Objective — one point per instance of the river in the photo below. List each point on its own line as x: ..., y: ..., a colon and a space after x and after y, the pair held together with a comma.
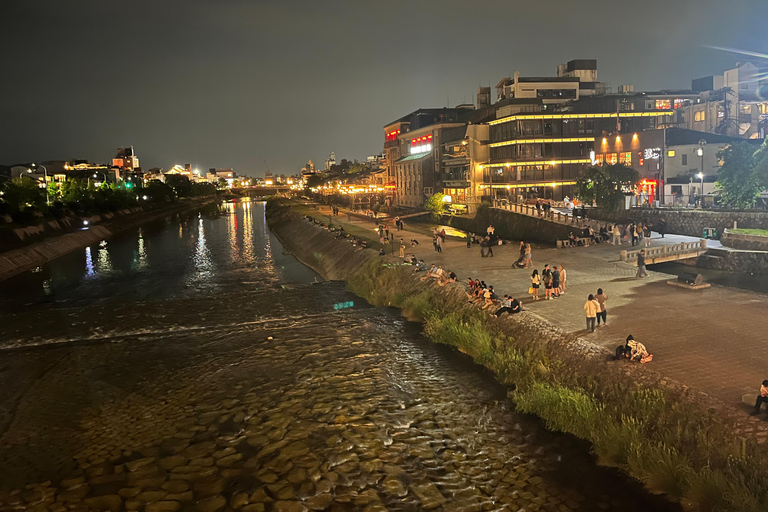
x: 192, y: 365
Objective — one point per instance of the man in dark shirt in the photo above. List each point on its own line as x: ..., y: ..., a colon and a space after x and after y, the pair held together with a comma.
x: 555, y: 281
x: 641, y: 264
x: 509, y: 305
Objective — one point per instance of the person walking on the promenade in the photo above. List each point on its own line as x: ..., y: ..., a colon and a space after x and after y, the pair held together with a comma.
x: 439, y: 242
x: 434, y: 242
x: 640, y: 233
x: 528, y: 259
x: 633, y: 234
x: 535, y: 284
x: 469, y: 240
x: 601, y: 311
x: 647, y: 235
x: 490, y: 247
x: 483, y: 245
x: 616, y: 232
x: 555, y: 282
x: 402, y: 248
x: 762, y: 397
x: 590, y: 307
x: 662, y: 227
x: 641, y: 264
x: 397, y: 223
x: 546, y: 278
x: 562, y: 279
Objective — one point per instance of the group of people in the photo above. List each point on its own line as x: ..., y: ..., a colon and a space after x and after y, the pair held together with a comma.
x: 437, y: 272
x: 479, y: 292
x: 438, y: 239
x: 553, y: 280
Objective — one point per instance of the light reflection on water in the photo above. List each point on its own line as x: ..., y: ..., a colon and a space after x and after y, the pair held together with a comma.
x: 89, y: 270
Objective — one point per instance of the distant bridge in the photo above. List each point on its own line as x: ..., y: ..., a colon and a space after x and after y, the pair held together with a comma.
x: 262, y: 191
x: 682, y: 251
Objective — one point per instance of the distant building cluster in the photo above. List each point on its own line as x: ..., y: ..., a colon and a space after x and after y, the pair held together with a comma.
x: 540, y: 133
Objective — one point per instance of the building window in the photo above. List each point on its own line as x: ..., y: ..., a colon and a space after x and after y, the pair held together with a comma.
x: 699, y: 116
x: 684, y: 159
x: 600, y: 159
x: 663, y: 105
x: 671, y: 153
x: 611, y: 158
x: 625, y: 158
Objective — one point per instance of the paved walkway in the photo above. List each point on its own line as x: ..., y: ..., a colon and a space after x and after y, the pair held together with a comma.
x: 714, y: 340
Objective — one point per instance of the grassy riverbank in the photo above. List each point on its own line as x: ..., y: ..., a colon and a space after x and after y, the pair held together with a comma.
x: 676, y: 445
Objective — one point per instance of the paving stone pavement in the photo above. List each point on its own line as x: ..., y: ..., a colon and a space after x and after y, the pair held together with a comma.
x: 712, y: 340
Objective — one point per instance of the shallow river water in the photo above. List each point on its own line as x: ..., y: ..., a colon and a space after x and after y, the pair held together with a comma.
x: 191, y: 365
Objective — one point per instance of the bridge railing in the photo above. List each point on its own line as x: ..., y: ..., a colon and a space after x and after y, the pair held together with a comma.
x: 552, y: 215
x: 666, y: 251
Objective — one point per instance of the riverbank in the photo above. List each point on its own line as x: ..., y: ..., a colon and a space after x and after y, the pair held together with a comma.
x: 677, y: 441
x: 15, y: 261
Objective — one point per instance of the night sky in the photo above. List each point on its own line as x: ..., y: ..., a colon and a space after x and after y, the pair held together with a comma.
x: 232, y: 83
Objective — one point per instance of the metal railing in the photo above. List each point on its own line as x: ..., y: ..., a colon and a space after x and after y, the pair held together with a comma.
x: 667, y: 252
x: 552, y: 215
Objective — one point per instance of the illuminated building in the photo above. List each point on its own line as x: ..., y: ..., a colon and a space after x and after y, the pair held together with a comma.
x: 541, y: 154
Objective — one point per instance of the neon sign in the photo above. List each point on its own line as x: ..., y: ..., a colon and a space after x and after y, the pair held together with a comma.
x: 421, y: 144
x: 652, y: 154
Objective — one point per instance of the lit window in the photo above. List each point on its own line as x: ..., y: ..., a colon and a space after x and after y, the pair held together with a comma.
x: 625, y: 158
x: 600, y: 159
x: 663, y: 105
x: 671, y: 153
x: 611, y: 158
x: 699, y: 116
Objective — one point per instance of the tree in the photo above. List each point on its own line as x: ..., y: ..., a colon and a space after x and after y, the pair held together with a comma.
x: 314, y: 181
x: 607, y: 185
x: 742, y: 175
x: 435, y: 204
x: 22, y: 192
x: 180, y: 184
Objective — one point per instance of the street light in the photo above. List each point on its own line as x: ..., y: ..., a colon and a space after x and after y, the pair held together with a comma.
x: 45, y: 172
x: 701, y: 177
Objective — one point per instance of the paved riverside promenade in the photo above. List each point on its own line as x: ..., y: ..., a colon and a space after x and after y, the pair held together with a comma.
x: 713, y: 340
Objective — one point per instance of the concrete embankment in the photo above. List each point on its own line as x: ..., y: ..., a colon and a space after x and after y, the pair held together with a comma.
x: 28, y: 257
x: 676, y: 440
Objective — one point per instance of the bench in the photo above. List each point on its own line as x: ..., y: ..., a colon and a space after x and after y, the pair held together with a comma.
x: 568, y: 243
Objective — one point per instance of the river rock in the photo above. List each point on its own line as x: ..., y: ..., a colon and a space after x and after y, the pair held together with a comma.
x: 288, y: 506
x: 174, y: 461
x: 294, y: 450
x: 254, y: 507
x: 211, y: 504
x: 319, y: 501
x: 148, y: 496
x: 111, y: 502
x: 394, y: 487
x: 138, y: 463
x: 259, y: 495
x: 366, y: 497
x: 175, y: 486
x: 199, y: 449
x: 163, y: 506
x: 429, y: 495
x: 238, y: 500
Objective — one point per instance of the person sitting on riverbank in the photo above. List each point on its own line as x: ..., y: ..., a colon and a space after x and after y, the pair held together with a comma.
x: 762, y: 397
x: 490, y: 297
x: 430, y: 272
x: 450, y: 277
x: 637, y: 351
x: 477, y: 295
x: 471, y: 284
x: 420, y: 266
x: 509, y: 305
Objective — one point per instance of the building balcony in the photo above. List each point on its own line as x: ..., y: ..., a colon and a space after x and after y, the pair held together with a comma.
x: 391, y: 144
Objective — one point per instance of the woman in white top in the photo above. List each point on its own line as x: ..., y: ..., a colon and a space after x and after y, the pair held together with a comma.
x: 616, y: 235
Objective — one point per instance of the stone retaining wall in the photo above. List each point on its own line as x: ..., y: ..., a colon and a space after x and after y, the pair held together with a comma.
x: 735, y: 261
x: 744, y: 241
x: 512, y: 226
x: 685, y: 222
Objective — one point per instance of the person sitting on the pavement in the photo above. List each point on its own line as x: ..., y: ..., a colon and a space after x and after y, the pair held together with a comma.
x: 490, y: 297
x: 762, y: 397
x: 420, y: 266
x: 509, y: 305
x: 430, y: 273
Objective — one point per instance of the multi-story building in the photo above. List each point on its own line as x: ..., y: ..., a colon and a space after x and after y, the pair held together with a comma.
x: 541, y: 154
x: 733, y: 104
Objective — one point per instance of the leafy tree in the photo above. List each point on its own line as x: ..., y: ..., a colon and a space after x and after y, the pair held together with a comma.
x: 314, y: 180
x: 222, y: 183
x: 435, y: 204
x: 159, y: 192
x: 72, y: 191
x: 607, y: 185
x: 743, y: 174
x: 180, y: 184
x: 355, y: 168
x: 20, y: 193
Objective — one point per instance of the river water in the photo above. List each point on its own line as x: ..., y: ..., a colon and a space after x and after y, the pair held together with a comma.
x: 192, y: 365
